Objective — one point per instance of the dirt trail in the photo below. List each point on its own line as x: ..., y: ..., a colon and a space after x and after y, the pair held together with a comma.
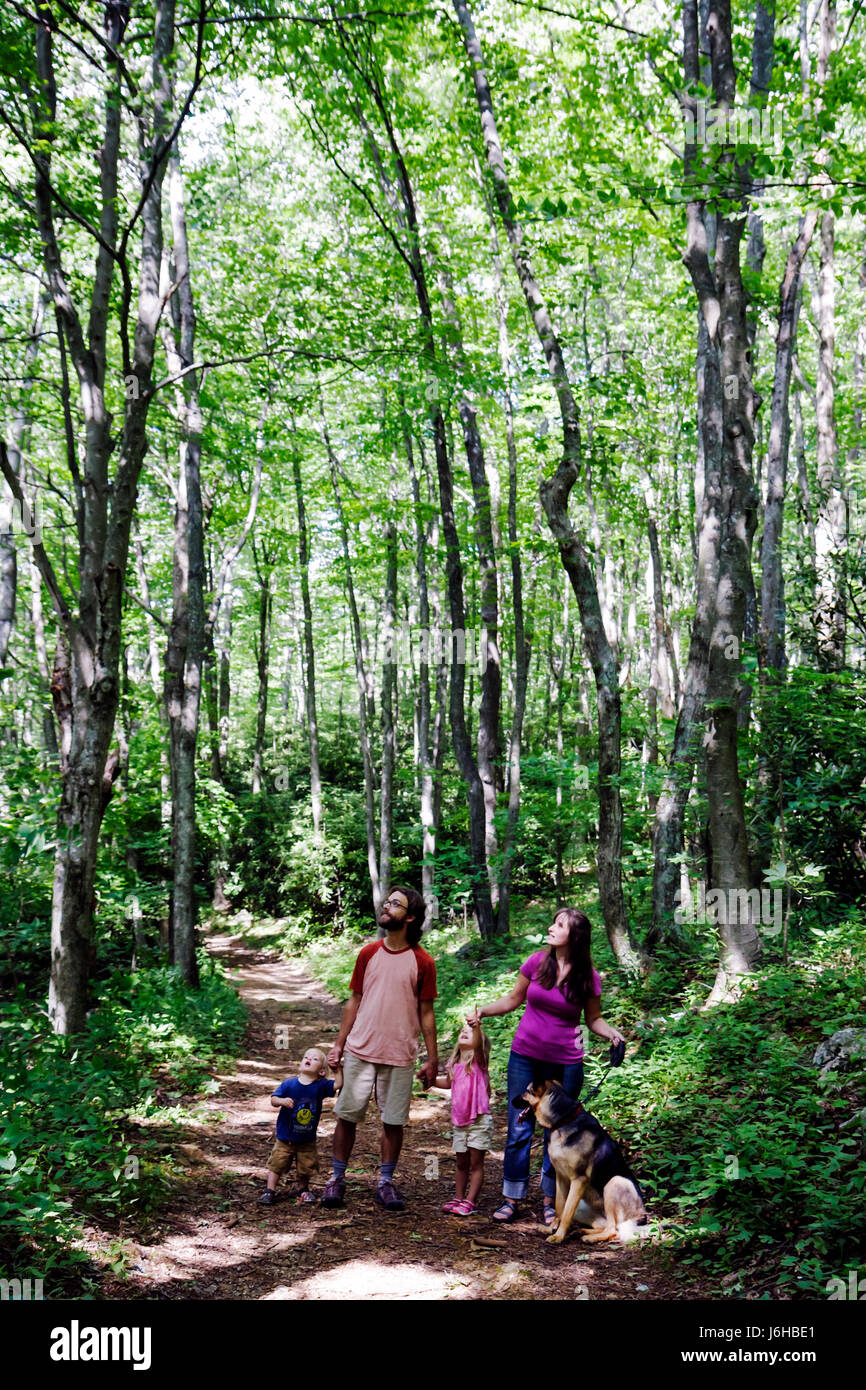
x: 213, y: 1240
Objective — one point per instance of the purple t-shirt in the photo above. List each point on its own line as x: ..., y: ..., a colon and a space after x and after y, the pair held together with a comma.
x: 550, y: 1027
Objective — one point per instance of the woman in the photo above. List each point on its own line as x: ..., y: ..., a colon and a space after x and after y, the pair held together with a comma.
x: 557, y: 986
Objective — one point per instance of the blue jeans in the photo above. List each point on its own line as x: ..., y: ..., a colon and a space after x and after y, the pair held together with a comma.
x: 523, y: 1072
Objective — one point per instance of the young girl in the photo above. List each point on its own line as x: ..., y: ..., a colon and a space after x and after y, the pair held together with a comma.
x: 466, y: 1074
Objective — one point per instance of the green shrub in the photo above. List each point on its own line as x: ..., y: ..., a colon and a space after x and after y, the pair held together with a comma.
x: 65, y: 1104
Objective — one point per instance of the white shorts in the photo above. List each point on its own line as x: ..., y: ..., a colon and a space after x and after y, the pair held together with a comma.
x: 477, y: 1135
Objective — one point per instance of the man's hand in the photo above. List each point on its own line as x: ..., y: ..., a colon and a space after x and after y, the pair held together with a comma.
x: 428, y: 1073
x: 473, y: 1018
x: 334, y: 1056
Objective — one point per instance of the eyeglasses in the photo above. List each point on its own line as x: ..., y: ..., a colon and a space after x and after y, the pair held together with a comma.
x: 394, y: 902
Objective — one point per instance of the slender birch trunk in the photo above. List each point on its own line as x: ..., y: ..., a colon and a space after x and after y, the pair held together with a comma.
x: 308, y: 660
x: 555, y: 494
x: 264, y: 575
x: 429, y: 822
x: 387, y: 702
x: 361, y: 675
x: 18, y: 435
x: 186, y: 640
x: 490, y: 680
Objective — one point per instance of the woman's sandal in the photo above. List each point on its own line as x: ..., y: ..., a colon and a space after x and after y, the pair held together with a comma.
x: 506, y: 1211
x: 548, y: 1212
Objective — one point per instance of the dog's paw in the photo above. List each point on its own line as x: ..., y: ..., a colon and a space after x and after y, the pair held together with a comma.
x: 555, y: 1239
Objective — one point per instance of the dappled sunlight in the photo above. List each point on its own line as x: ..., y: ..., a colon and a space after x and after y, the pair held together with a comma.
x: 370, y: 1279
x: 188, y: 1255
x: 252, y: 1080
x: 429, y: 1110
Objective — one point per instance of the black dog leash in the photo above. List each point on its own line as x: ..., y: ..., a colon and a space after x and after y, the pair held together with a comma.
x: 617, y: 1053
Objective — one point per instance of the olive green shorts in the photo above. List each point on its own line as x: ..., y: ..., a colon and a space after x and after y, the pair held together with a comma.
x: 282, y: 1155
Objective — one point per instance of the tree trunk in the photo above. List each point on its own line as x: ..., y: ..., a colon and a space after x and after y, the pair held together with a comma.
x: 85, y: 684
x: 831, y: 515
x: 429, y: 822
x: 389, y: 683
x: 771, y: 647
x: 555, y: 494
x: 263, y: 658
x: 361, y: 675
x: 523, y: 630
x: 662, y: 676
x: 401, y: 200
x: 308, y: 664
x: 185, y: 653
x: 18, y: 435
x: 491, y: 670
x: 727, y: 412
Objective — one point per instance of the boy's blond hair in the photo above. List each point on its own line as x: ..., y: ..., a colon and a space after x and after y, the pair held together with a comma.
x: 323, y: 1057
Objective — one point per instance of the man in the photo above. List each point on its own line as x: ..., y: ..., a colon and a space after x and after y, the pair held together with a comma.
x: 393, y: 987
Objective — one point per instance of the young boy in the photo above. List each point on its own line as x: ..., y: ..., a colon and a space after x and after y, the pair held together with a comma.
x: 299, y: 1103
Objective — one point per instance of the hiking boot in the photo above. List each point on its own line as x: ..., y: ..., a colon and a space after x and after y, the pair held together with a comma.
x: 388, y: 1196
x: 334, y: 1193
x: 267, y: 1198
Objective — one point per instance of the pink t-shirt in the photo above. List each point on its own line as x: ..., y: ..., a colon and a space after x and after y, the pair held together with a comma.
x: 549, y: 1030
x: 470, y: 1093
x: 391, y: 985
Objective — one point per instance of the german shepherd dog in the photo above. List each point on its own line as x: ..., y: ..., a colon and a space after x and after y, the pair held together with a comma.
x: 589, y: 1165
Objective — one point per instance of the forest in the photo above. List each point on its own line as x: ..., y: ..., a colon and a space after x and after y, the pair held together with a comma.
x: 432, y: 451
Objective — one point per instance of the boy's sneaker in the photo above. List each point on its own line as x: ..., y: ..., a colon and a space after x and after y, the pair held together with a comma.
x: 388, y: 1196
x: 267, y: 1198
x: 334, y: 1192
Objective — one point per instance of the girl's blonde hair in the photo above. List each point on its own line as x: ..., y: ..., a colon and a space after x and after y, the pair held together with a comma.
x: 485, y: 1052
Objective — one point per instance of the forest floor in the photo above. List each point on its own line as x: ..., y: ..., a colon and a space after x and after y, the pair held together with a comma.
x: 211, y: 1239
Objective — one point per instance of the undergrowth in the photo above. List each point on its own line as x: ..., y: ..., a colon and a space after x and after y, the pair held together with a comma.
x: 67, y: 1148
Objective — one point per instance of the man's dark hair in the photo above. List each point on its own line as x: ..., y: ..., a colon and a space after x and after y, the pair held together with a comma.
x: 415, y: 912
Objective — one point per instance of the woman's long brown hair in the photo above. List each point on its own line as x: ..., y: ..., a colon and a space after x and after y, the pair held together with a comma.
x: 577, y: 985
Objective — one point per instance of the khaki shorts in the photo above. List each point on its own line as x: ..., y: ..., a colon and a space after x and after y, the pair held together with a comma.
x: 283, y: 1153
x: 392, y: 1086
x: 477, y: 1135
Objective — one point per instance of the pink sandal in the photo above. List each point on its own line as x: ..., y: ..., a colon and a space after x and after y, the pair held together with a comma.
x: 450, y: 1205
x: 464, y: 1208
